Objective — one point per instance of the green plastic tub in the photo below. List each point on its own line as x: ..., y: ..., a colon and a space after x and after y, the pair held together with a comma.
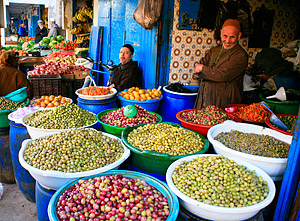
x: 4, y: 122
x: 153, y: 162
x: 280, y: 107
x: 114, y: 130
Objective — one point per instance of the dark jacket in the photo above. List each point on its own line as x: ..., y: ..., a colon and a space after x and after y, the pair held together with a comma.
x: 222, y: 83
x: 11, y: 78
x: 127, y: 76
x: 40, y: 33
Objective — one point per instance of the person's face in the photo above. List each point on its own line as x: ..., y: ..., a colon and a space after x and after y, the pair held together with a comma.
x: 52, y: 23
x: 40, y: 24
x: 125, y: 55
x: 230, y: 36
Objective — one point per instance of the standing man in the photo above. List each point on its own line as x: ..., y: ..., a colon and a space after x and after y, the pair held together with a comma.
x: 221, y: 70
x: 127, y: 74
x: 40, y: 31
x: 54, y: 28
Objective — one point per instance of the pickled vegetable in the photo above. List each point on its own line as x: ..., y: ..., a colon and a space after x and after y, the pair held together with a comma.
x: 73, y: 151
x: 165, y: 138
x: 65, y: 116
x: 6, y: 104
x: 219, y: 181
x: 210, y: 115
x: 255, y: 144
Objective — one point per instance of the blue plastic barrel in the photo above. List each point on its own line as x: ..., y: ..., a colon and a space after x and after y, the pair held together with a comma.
x: 43, y: 197
x: 6, y: 167
x: 97, y: 106
x: 18, y: 133
x: 174, y: 102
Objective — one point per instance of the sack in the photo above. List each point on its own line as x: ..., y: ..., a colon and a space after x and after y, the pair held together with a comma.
x: 148, y: 12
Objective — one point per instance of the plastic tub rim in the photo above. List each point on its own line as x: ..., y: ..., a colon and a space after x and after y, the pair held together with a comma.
x: 211, y: 208
x: 51, y: 209
x: 177, y: 93
x: 245, y: 155
x: 59, y: 174
x: 139, y: 102
x: 157, y: 155
x: 262, y: 94
x: 113, y: 109
x: 49, y: 130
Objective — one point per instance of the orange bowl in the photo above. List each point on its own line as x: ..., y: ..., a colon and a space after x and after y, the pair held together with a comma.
x: 272, y: 126
x: 200, y: 128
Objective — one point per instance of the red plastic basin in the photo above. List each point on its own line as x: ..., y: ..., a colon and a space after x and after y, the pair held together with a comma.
x: 201, y: 129
x: 272, y: 126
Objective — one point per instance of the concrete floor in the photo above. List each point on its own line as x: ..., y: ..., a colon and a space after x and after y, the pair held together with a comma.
x: 14, y: 206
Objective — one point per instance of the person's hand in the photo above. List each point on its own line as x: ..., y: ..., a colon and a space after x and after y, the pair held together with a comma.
x: 199, y: 68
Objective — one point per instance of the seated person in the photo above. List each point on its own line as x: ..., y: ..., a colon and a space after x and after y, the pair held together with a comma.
x: 127, y: 74
x: 11, y: 78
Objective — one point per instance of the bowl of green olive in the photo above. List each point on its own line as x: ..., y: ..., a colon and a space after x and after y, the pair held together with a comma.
x: 216, y: 187
x: 155, y: 146
x: 61, y: 118
x: 263, y: 147
x: 288, y: 119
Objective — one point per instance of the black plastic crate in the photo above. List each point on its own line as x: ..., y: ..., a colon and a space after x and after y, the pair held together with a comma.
x: 45, y: 85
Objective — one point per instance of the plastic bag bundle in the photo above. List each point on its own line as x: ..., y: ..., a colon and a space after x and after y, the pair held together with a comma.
x: 147, y: 13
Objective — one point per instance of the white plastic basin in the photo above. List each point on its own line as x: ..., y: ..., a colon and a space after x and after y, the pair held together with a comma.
x: 215, y: 212
x: 35, y: 132
x: 273, y: 166
x: 96, y: 97
x: 56, y: 179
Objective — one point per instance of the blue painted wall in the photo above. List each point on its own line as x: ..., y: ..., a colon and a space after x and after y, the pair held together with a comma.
x: 33, y: 24
x: 116, y: 16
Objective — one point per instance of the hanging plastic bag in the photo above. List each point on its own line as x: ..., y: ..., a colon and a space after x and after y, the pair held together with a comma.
x: 148, y: 12
x: 89, y: 81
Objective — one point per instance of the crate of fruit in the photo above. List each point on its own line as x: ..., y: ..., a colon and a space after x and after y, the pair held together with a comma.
x: 45, y: 85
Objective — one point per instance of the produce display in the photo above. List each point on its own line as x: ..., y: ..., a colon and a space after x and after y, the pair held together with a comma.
x: 165, y: 138
x: 117, y: 117
x: 73, y: 151
x: 45, y: 43
x: 57, y: 68
x: 179, y: 88
x: 57, y: 56
x: 210, y: 115
x: 26, y: 39
x: 67, y: 46
x: 255, y: 144
x: 6, y: 104
x: 63, y: 117
x: 219, y: 181
x: 288, y: 121
x: 51, y: 101
x: 15, y: 49
x: 253, y: 112
x: 112, y: 197
x: 95, y: 90
x: 135, y: 93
